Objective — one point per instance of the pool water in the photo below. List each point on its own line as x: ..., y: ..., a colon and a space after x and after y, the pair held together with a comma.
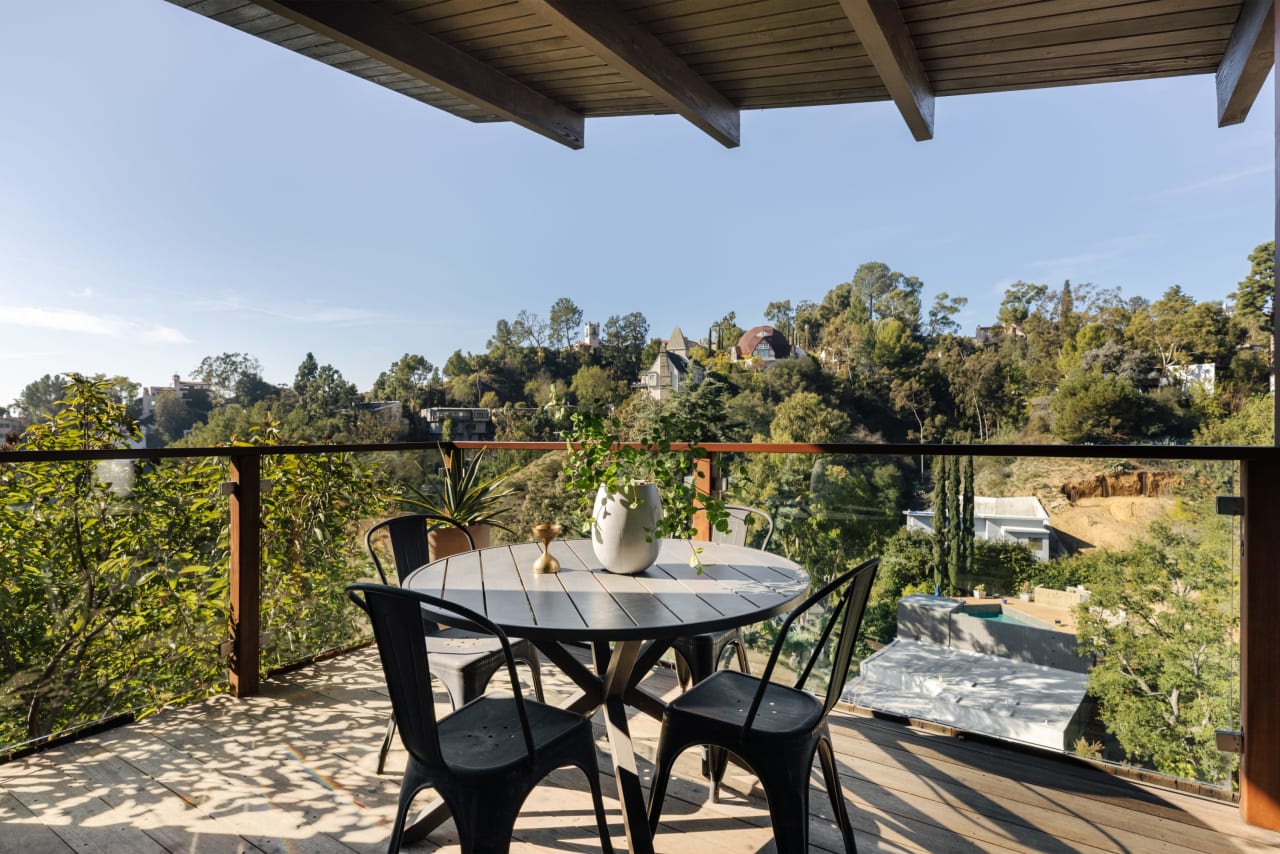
x: 1002, y: 616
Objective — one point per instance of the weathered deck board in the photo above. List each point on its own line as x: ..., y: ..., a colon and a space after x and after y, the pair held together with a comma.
x: 291, y: 771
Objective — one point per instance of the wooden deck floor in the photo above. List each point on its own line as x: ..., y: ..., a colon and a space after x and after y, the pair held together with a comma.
x: 291, y: 772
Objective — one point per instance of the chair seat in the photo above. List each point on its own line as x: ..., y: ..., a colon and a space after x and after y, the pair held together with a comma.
x: 484, y: 736
x: 458, y: 648
x: 720, y: 702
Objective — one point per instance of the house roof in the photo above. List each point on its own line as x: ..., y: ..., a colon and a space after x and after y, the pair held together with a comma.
x: 752, y: 337
x: 550, y: 64
x: 1002, y: 507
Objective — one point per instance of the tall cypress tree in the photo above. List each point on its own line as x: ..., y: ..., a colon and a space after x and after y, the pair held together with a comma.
x: 967, y: 525
x: 940, y: 542
x: 955, y: 528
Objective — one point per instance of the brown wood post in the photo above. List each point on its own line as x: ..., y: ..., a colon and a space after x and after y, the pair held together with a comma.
x: 1259, y: 656
x: 702, y: 481
x: 246, y: 556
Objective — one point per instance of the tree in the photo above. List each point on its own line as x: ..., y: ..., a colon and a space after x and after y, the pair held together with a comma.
x: 595, y: 390
x: 39, y: 399
x: 172, y: 417
x: 1020, y: 299
x: 1253, y: 296
x: 803, y: 417
x: 621, y: 343
x: 782, y: 317
x: 1162, y: 624
x: 224, y: 371
x: 406, y: 381
x: 530, y: 330
x: 564, y: 323
x: 880, y: 293
x: 1092, y: 407
x: 942, y: 315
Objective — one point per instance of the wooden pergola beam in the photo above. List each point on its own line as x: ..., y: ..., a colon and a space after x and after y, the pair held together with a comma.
x: 375, y: 32
x: 884, y: 35
x: 635, y: 53
x: 1248, y: 59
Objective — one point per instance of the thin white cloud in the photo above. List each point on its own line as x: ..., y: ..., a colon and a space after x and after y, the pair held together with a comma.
x: 84, y: 293
x: 165, y: 335
x: 84, y: 323
x: 1075, y: 260
x: 1218, y: 180
x: 337, y: 316
x: 308, y: 315
x: 1105, y: 250
x: 62, y: 320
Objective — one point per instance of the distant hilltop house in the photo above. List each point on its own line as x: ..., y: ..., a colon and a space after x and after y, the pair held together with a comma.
x: 590, y: 335
x: 764, y: 345
x: 11, y: 424
x: 1020, y: 519
x: 673, y: 370
x: 456, y: 423
x: 183, y: 388
x: 1193, y: 376
x: 991, y: 334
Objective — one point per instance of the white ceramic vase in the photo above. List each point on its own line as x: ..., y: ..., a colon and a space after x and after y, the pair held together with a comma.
x: 622, y: 534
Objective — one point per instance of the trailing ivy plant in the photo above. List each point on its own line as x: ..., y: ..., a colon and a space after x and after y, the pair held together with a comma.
x: 599, y: 456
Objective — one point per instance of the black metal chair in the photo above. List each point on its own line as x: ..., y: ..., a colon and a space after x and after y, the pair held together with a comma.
x: 698, y: 656
x: 485, y: 757
x: 463, y: 661
x: 773, y: 728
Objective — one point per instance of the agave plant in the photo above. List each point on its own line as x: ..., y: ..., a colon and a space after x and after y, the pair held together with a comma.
x: 464, y: 497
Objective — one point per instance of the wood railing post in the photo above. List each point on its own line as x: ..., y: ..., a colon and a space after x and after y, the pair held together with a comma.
x: 246, y: 555
x: 1259, y: 656
x: 702, y: 470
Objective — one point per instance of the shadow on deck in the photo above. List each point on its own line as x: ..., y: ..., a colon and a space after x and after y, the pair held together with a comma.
x: 292, y: 771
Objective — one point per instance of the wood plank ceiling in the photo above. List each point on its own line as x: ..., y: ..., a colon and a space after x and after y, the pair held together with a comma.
x: 549, y: 64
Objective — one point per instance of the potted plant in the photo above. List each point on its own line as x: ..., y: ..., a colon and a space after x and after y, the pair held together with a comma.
x: 639, y: 492
x: 464, y: 499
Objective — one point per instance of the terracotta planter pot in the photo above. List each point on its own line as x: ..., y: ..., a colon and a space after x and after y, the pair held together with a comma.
x: 443, y: 542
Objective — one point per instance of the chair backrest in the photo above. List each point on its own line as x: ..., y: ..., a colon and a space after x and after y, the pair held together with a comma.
x: 397, y: 616
x: 851, y: 590
x: 409, y: 546
x: 742, y: 520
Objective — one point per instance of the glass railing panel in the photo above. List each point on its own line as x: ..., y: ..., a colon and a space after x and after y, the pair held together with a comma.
x: 113, y: 589
x: 315, y: 510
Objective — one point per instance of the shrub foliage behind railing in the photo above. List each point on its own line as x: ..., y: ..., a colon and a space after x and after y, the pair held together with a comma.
x: 113, y: 575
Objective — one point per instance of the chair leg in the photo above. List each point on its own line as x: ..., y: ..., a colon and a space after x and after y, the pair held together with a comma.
x: 535, y: 675
x: 717, y: 762
x: 386, y: 743
x: 658, y: 786
x: 741, y: 644
x: 486, y: 821
x: 788, y: 794
x: 826, y: 754
x: 597, y: 801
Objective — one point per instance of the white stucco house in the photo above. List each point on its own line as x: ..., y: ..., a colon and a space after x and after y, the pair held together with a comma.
x: 1020, y: 518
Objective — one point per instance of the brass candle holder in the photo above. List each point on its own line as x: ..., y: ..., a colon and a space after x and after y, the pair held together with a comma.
x: 545, y: 533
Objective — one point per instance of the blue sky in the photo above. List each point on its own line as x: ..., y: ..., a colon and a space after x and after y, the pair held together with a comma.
x: 171, y: 188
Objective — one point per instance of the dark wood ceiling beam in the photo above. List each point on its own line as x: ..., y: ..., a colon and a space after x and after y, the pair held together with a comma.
x: 422, y: 56
x: 884, y: 35
x: 635, y: 53
x: 1249, y: 57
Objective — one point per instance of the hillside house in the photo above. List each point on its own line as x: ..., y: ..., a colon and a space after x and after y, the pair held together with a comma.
x: 1020, y: 519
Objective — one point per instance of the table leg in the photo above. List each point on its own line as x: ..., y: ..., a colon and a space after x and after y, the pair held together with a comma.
x: 635, y: 816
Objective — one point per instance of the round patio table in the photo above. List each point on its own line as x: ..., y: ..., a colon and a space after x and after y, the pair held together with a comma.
x: 629, y: 620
